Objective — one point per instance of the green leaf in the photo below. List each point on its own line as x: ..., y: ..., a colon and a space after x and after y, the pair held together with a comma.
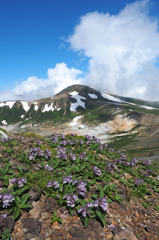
x: 6, y: 169
x: 92, y: 182
x: 25, y: 198
x: 21, y: 190
x: 85, y: 221
x: 105, y: 187
x: 94, y: 196
x: 83, y: 167
x: 101, y: 194
x: 99, y: 187
x: 16, y: 213
x: 17, y: 200
x: 6, y: 180
x: 19, y: 168
x: 101, y: 217
x: 25, y: 206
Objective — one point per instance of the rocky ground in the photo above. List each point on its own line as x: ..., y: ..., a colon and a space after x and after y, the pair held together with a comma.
x: 128, y: 220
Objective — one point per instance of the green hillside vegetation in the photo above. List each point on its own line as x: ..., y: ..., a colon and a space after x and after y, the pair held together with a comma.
x: 79, y: 167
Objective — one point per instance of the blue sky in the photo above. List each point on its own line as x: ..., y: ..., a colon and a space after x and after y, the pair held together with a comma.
x: 48, y: 45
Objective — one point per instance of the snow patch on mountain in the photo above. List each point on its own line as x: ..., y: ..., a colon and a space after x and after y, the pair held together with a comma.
x: 35, y: 106
x: 48, y: 108
x: 10, y: 104
x: 75, y: 95
x: 91, y: 95
x: 74, y: 121
x: 147, y: 107
x: 4, y: 122
x: 107, y: 96
x: 25, y: 105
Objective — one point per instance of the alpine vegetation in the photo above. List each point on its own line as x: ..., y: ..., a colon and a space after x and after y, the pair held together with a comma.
x: 79, y: 172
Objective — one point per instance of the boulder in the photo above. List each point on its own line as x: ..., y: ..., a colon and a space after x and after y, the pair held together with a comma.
x: 3, y: 135
x: 153, y: 153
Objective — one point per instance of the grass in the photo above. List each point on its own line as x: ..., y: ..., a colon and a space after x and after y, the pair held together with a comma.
x: 84, y: 171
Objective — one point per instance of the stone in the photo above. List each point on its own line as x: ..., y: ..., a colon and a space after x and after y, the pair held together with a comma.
x: 50, y: 204
x: 6, y: 223
x: 125, y: 234
x: 3, y: 135
x: 33, y: 226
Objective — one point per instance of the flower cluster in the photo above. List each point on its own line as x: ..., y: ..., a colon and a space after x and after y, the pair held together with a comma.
x: 47, y: 153
x: 61, y: 153
x: 54, y: 138
x: 85, y: 210
x: 38, y: 142
x: 138, y: 181
x: 7, y: 198
x: 47, y: 167
x: 80, y: 189
x: 37, y: 152
x: 52, y: 183
x: 96, y: 171
x: 72, y: 156
x: 83, y: 155
x: 4, y: 139
x: 101, y: 202
x: 67, y: 179
x: 71, y: 199
x: 20, y: 181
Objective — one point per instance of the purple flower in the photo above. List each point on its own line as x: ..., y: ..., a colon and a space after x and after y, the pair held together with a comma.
x: 147, y: 162
x: 38, y: 142
x: 118, y: 152
x: 63, y: 143
x: 52, y: 183
x: 3, y: 215
x: 63, y: 136
x: 4, y: 139
x: 114, y: 165
x: 48, y: 167
x: 31, y: 157
x: 96, y: 171
x: 6, y: 197
x: 81, y: 188
x: 69, y: 142
x: 47, y: 153
x: 85, y: 210
x: 20, y: 181
x: 83, y: 155
x: 81, y: 141
x: 100, y: 147
x: 67, y: 179
x: 72, y: 156
x: 71, y: 199
x: 111, y: 226
x: 138, y: 181
x: 102, y: 202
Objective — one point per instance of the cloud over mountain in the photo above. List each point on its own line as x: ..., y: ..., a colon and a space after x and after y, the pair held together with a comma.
x: 123, y: 54
x: 122, y: 50
x: 34, y: 88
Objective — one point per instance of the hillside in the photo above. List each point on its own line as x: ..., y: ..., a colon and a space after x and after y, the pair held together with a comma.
x: 127, y: 124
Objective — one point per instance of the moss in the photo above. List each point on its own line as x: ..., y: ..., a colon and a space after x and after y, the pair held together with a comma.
x: 3, y: 130
x: 32, y: 134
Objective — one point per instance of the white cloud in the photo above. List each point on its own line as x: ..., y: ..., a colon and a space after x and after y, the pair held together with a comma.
x: 34, y: 88
x: 122, y: 48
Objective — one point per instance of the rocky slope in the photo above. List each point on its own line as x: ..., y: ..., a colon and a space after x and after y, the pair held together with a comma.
x: 127, y: 124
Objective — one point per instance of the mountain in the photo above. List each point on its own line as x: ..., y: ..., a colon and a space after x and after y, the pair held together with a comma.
x: 127, y: 124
